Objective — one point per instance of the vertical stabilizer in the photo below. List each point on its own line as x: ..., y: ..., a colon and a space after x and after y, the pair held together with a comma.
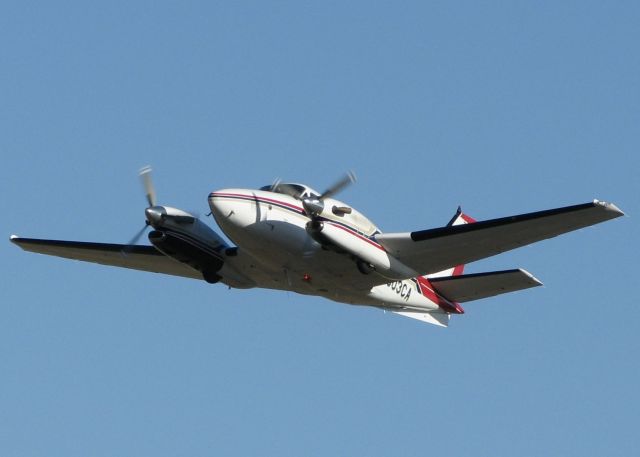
x: 458, y: 219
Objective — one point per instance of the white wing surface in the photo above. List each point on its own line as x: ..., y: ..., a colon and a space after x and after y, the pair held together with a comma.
x: 430, y: 251
x: 145, y: 258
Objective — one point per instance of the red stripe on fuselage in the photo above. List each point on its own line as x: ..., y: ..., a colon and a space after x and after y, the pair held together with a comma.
x: 255, y: 197
x: 296, y: 208
x: 356, y: 234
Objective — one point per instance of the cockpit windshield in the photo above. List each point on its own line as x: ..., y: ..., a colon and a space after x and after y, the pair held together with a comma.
x: 298, y: 191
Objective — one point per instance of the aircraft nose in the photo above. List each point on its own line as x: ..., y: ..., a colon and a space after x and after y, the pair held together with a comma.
x: 233, y: 207
x: 218, y: 203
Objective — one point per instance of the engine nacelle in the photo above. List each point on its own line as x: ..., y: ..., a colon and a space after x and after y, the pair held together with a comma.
x: 173, y: 245
x: 364, y: 267
x: 369, y: 253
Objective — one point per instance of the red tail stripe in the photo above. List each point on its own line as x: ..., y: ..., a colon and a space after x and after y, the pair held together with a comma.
x: 457, y: 271
x: 467, y: 219
x: 428, y: 291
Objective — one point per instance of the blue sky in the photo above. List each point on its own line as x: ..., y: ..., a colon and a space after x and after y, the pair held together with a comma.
x: 502, y: 107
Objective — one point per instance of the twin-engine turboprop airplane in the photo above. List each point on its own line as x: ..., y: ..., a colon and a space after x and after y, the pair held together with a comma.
x: 290, y: 237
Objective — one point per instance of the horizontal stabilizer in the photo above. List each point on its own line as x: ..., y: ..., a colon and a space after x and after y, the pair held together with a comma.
x: 482, y: 285
x: 145, y: 258
x: 436, y: 318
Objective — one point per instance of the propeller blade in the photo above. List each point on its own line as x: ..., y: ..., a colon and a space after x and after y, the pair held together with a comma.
x: 313, y: 206
x: 346, y: 180
x: 137, y: 236
x: 275, y: 184
x: 149, y: 189
x: 131, y: 244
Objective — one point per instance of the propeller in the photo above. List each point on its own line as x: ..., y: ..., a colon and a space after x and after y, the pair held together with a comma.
x: 314, y: 205
x: 137, y: 236
x: 347, y: 179
x: 149, y: 189
x: 151, y: 212
x: 275, y: 185
x: 156, y: 215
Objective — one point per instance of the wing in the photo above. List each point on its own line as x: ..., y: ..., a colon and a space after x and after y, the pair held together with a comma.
x: 145, y: 258
x: 430, y: 251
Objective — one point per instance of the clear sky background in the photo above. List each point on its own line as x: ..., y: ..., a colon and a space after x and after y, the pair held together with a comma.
x: 502, y: 107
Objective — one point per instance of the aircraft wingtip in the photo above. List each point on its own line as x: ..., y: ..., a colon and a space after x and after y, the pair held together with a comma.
x: 535, y: 282
x: 609, y: 207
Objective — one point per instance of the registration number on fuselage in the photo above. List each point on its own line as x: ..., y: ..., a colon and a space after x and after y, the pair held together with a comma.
x: 401, y: 288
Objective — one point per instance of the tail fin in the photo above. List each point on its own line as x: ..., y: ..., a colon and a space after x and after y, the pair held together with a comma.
x: 458, y: 219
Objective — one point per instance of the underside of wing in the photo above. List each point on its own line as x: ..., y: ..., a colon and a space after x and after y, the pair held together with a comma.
x: 145, y: 258
x: 430, y: 251
x: 470, y: 287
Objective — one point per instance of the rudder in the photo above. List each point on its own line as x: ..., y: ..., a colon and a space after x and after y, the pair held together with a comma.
x: 459, y: 218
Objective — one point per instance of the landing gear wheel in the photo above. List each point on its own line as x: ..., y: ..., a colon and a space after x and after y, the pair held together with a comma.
x: 210, y: 276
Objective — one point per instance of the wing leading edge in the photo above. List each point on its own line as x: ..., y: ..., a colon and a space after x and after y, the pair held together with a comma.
x: 433, y: 250
x: 144, y: 258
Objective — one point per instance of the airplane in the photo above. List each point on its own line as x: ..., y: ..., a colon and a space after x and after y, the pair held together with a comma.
x: 287, y: 236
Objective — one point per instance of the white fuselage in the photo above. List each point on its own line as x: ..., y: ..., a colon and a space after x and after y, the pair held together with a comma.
x: 275, y: 250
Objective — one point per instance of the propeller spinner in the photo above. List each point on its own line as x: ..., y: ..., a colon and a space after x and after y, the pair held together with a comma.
x: 313, y: 206
x: 155, y: 215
